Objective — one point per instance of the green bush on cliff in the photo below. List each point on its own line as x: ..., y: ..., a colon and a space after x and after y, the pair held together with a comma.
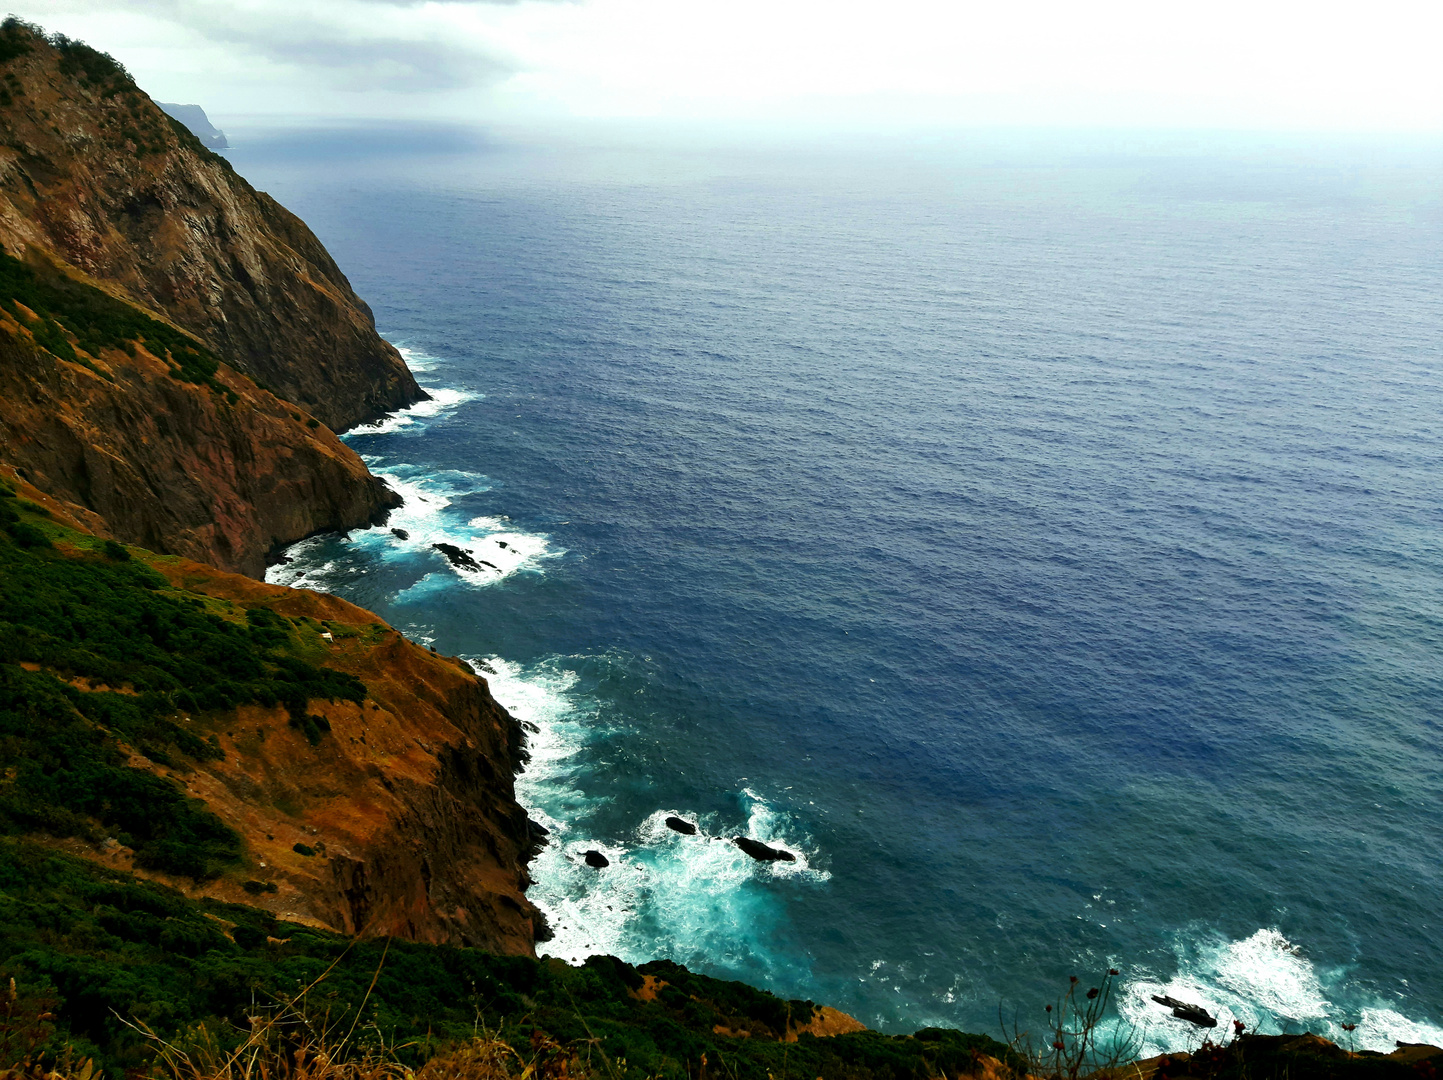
x: 157, y: 656
x: 96, y: 320
x: 17, y: 37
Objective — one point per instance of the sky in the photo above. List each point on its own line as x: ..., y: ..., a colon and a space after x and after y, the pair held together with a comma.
x: 1310, y: 65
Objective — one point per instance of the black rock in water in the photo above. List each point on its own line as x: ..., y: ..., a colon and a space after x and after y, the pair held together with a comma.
x: 761, y: 852
x: 400, y: 534
x: 596, y: 859
x: 457, y: 557
x: 1193, y: 1014
x: 536, y: 838
x: 676, y: 824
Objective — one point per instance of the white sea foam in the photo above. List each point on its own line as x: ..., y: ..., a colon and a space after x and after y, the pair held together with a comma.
x: 426, y: 518
x: 415, y: 418
x: 1266, y: 982
x: 663, y: 893
x: 417, y: 359
x: 302, y: 568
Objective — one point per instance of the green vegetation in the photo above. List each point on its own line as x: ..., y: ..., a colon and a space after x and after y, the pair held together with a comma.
x: 61, y: 308
x: 156, y: 658
x: 91, y: 68
x: 17, y: 37
x: 99, y: 945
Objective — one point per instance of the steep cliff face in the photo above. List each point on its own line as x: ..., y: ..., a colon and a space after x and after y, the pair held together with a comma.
x: 386, y: 810
x: 146, y: 293
x: 93, y: 174
x: 407, y: 804
x: 222, y: 475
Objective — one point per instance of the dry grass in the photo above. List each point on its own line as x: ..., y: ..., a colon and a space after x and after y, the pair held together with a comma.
x: 1074, y: 1042
x: 288, y: 1040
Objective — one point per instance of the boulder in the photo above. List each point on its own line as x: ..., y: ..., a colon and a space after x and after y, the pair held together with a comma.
x: 676, y: 824
x: 457, y: 557
x: 762, y: 852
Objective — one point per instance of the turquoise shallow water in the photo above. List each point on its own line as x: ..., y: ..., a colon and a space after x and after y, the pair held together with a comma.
x: 1042, y: 542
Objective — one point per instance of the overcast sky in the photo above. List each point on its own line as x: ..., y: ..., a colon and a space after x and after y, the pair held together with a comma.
x: 1269, y: 64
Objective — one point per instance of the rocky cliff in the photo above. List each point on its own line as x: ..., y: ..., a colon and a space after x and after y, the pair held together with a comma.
x: 380, y: 802
x: 93, y: 175
x: 221, y: 473
x: 175, y: 346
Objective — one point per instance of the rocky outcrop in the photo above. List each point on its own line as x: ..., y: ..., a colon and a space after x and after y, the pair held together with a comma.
x: 400, y: 820
x: 174, y: 466
x: 762, y: 852
x: 94, y: 175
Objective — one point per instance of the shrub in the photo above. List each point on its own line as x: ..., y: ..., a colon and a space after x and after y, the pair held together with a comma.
x: 27, y: 535
x: 64, y: 308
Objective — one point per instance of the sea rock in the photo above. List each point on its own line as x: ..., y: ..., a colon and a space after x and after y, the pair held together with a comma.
x: 1193, y: 1014
x: 762, y: 852
x: 400, y: 534
x: 596, y: 860
x: 676, y: 824
x: 457, y: 557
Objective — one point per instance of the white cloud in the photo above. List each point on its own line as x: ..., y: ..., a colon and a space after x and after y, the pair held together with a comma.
x: 1225, y: 63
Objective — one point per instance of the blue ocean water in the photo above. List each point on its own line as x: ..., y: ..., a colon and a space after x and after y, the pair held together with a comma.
x: 1041, y: 538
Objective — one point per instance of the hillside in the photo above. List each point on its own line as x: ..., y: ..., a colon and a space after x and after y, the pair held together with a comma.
x: 355, y: 782
x: 94, y: 176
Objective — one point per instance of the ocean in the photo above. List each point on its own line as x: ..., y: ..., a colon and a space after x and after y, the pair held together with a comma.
x: 1038, y: 535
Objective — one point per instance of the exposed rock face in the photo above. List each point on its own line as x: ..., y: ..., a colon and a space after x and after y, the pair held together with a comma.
x: 407, y: 804
x: 94, y: 174
x: 173, y: 466
x: 401, y: 817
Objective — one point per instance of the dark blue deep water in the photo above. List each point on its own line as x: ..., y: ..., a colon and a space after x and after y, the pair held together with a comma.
x: 1044, y: 542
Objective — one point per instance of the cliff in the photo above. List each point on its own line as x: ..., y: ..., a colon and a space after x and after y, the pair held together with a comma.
x: 195, y: 119
x: 353, y: 782
x: 175, y: 346
x: 157, y: 451
x: 407, y: 803
x: 94, y: 176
